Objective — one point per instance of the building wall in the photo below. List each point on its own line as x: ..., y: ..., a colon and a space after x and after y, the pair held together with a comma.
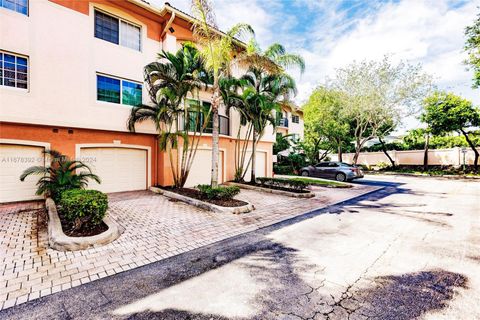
x: 64, y: 58
x: 445, y: 157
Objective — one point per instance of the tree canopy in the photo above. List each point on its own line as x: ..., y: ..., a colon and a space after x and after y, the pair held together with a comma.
x: 445, y: 112
x: 378, y: 95
x: 472, y: 47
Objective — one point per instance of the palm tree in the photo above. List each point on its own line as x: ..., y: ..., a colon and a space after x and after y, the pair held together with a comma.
x: 263, y: 98
x: 274, y: 60
x: 171, y: 81
x: 218, y: 50
x: 60, y: 175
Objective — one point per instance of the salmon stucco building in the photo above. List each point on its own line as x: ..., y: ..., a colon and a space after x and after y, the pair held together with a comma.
x: 70, y: 72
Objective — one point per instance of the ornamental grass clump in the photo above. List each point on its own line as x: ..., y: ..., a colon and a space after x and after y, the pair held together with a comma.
x: 83, y: 207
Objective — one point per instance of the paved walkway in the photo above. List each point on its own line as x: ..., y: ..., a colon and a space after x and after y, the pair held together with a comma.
x: 156, y: 228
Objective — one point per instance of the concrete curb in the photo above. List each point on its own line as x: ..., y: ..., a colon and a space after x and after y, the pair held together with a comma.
x: 202, y: 204
x: 58, y: 240
x: 273, y: 191
x: 425, y: 175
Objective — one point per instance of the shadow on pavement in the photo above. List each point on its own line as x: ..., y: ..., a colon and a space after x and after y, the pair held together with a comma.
x: 409, y: 296
x: 284, y: 292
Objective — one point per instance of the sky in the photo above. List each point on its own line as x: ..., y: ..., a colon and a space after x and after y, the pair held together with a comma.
x: 330, y: 34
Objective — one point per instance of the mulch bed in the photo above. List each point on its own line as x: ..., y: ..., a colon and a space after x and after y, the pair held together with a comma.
x: 85, y: 231
x: 274, y: 187
x: 195, y: 194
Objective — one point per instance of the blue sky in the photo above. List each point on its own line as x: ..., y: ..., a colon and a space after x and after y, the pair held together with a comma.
x: 331, y: 34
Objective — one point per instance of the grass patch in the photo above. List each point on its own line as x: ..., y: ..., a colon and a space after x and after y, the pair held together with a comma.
x: 322, y: 183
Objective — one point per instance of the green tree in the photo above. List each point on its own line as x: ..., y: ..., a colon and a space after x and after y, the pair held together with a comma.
x: 179, y: 121
x: 282, y: 142
x: 378, y: 95
x: 327, y: 125
x: 218, y: 50
x: 263, y: 96
x: 472, y: 47
x: 445, y: 112
x: 60, y: 175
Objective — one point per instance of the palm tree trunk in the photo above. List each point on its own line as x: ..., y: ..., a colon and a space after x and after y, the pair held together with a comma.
x: 215, y: 133
x: 253, y: 178
x: 425, y: 153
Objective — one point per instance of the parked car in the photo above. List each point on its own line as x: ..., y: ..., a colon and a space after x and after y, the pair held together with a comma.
x: 339, y: 171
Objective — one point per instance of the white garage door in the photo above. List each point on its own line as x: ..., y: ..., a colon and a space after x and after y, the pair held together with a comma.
x: 14, y: 159
x: 200, y: 172
x: 120, y: 169
x: 260, y: 165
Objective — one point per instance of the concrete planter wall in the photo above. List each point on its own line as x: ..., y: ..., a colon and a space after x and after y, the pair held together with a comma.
x: 202, y: 204
x: 58, y: 240
x: 273, y: 191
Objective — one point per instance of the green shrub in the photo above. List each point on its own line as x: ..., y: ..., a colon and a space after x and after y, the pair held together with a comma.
x: 383, y: 165
x: 81, y: 206
x: 218, y: 193
x: 283, y: 183
x: 282, y: 169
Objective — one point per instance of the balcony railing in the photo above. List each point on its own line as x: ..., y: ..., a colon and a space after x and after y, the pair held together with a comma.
x: 283, y: 122
x: 194, y: 124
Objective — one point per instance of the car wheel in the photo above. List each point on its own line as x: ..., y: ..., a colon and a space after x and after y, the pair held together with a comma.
x: 305, y: 174
x: 340, y: 177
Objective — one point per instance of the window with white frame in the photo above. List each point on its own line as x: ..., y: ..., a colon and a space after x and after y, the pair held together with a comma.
x: 13, y: 70
x: 295, y: 119
x: 116, y: 90
x: 20, y: 6
x: 116, y: 30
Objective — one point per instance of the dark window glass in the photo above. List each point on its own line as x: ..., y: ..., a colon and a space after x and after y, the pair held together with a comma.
x: 295, y: 119
x: 13, y: 71
x: 108, y: 89
x: 131, y: 93
x: 322, y: 165
x: 106, y: 27
x: 20, y: 6
x: 1, y: 68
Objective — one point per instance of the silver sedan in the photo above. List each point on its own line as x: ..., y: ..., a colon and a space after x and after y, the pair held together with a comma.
x: 339, y: 171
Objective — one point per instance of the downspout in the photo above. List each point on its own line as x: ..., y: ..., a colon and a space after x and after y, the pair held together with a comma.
x: 169, y: 23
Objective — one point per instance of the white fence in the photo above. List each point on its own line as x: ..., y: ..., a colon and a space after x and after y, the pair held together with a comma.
x: 445, y: 157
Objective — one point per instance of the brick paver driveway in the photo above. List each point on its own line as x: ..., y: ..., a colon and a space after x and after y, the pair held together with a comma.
x: 155, y: 228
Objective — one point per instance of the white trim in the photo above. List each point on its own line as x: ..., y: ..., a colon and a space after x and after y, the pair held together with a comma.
x: 78, y: 148
x: 46, y: 145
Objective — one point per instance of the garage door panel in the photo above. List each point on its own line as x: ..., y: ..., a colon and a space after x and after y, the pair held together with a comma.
x: 200, y: 172
x: 260, y: 165
x: 120, y: 169
x: 14, y: 159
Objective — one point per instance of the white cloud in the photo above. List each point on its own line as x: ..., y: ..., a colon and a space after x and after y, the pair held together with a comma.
x: 429, y: 32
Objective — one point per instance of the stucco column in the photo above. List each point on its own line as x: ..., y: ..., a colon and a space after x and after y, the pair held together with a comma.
x: 169, y: 43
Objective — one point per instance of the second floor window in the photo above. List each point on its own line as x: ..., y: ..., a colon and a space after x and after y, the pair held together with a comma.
x: 295, y: 119
x: 119, y: 91
x: 13, y: 70
x: 115, y: 30
x: 20, y: 6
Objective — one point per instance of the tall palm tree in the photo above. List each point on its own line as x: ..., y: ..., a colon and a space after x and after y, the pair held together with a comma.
x: 60, y: 175
x: 218, y: 50
x: 263, y: 98
x: 274, y: 60
x: 171, y: 81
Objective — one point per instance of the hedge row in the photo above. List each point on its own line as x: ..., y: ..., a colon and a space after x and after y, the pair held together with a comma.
x: 283, y: 183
